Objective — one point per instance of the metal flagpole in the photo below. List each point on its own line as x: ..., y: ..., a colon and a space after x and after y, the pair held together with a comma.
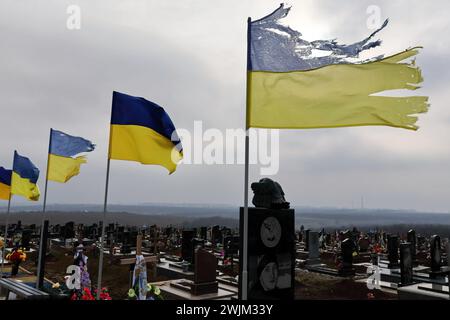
x: 244, y: 275
x: 100, y: 262
x: 41, y: 259
x: 105, y: 207
x: 6, y: 234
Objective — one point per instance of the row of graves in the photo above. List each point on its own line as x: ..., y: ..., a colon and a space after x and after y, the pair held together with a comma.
x: 16, y: 246
x: 414, y: 266
x: 199, y: 263
x: 203, y: 264
x: 195, y: 264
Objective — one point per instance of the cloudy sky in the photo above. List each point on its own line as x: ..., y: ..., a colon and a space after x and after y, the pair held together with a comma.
x: 189, y: 56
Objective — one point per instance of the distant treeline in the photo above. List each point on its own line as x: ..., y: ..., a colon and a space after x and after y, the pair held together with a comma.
x: 425, y: 230
x: 122, y: 218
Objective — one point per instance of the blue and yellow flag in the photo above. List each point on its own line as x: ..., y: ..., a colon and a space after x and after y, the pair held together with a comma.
x: 5, y: 183
x: 297, y: 84
x: 24, y: 178
x: 62, y: 164
x: 142, y: 131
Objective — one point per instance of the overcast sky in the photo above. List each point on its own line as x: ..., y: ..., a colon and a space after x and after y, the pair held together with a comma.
x: 189, y: 56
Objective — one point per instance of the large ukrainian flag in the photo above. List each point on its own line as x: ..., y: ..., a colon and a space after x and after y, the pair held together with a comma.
x: 142, y: 131
x: 294, y: 83
x: 24, y: 178
x: 5, y: 183
x: 63, y: 164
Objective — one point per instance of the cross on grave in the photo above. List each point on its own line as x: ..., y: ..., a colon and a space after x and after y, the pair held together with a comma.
x: 131, y: 261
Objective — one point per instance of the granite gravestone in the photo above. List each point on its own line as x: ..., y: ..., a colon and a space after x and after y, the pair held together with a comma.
x: 346, y: 256
x: 313, y: 249
x: 216, y: 235
x: 168, y: 231
x: 406, y: 264
x: 435, y: 253
x: 230, y: 246
x: 306, y: 239
x: 363, y: 244
x: 204, y: 273
x: 271, y: 253
x: 301, y: 234
x: 187, y: 245
x: 196, y: 244
x: 69, y: 230
x: 392, y: 244
x: 126, y: 243
x: 204, y: 233
x: 109, y: 238
x: 26, y: 238
x: 411, y: 238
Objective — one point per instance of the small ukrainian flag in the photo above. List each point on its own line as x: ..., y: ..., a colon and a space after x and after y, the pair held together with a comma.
x: 24, y: 178
x: 63, y: 147
x: 5, y: 183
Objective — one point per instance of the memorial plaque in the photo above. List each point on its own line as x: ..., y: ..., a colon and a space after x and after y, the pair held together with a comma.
x: 271, y: 253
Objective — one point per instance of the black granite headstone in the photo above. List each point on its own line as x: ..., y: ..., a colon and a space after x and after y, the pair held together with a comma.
x: 231, y: 246
x: 392, y: 246
x: 411, y: 237
x: 271, y: 253
x: 216, y: 235
x: 204, y: 233
x: 406, y: 264
x: 435, y: 253
x: 26, y: 238
x: 186, y: 245
x: 306, y: 239
x: 196, y: 243
x: 69, y: 231
x: 126, y: 243
x: 346, y: 255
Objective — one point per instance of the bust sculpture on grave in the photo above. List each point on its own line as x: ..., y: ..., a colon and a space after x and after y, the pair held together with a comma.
x: 268, y: 194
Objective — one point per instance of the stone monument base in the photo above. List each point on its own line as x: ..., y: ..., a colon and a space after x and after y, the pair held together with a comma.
x: 196, y: 288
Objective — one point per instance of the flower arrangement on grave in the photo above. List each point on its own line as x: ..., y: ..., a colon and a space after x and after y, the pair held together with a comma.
x: 142, y: 290
x: 87, y: 295
x: 16, y: 257
x: 152, y: 293
x: 377, y: 248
